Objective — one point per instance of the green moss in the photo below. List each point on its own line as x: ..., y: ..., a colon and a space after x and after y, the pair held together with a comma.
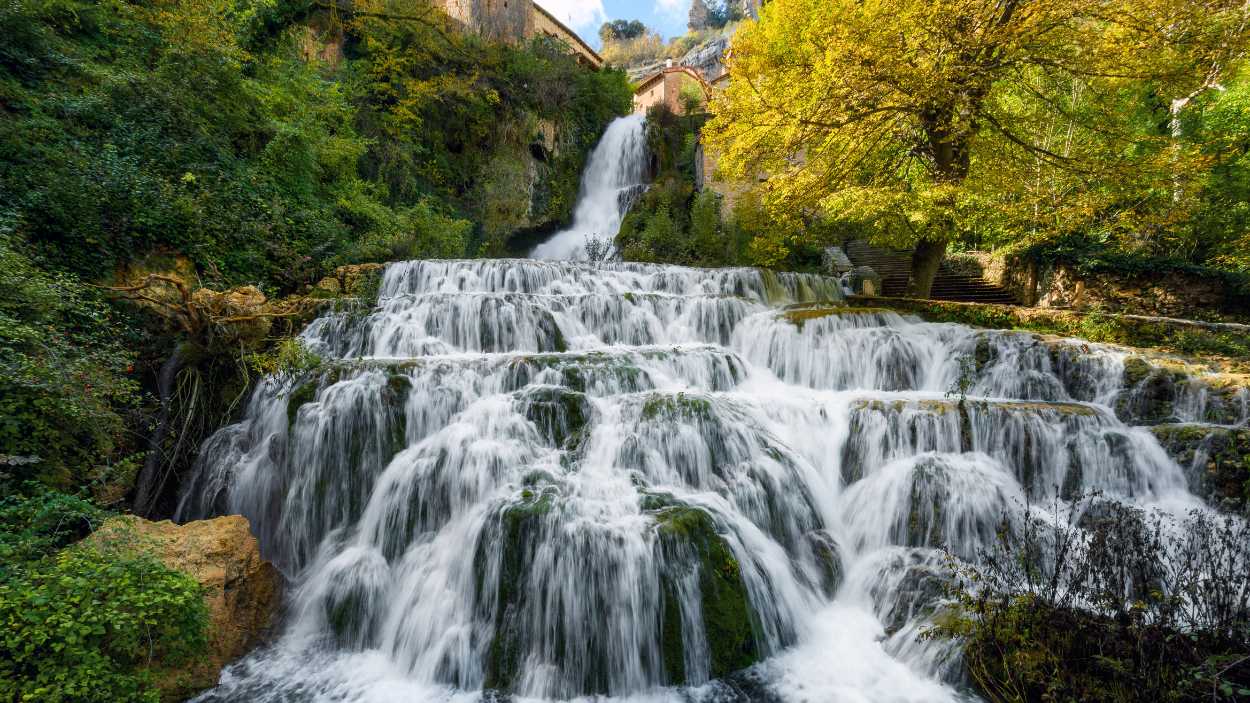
x: 304, y: 393
x: 727, y: 614
x: 680, y: 406
x: 561, y: 415
x: 559, y: 343
x: 672, y: 645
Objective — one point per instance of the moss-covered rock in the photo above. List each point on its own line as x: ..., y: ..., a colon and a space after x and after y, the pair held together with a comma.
x: 1216, y: 461
x: 515, y: 533
x: 561, y: 415
x: 303, y: 394
x: 828, y: 558
x: 681, y: 406
x: 728, y: 618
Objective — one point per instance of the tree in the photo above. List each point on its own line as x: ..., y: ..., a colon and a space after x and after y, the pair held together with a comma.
x: 700, y: 16
x: 886, y: 108
x: 620, y: 30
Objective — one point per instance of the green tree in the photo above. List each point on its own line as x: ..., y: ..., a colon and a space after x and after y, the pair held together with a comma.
x: 888, y: 108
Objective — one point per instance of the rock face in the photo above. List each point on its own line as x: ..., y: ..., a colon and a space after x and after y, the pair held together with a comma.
x: 1216, y: 461
x: 241, y: 589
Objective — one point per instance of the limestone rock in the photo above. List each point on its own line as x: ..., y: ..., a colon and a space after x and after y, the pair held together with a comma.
x: 244, y: 307
x: 865, y: 281
x: 242, y: 590
x: 352, y: 280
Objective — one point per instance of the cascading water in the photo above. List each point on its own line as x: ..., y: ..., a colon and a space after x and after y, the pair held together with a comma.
x: 542, y: 480
x: 554, y: 480
x: 612, y: 181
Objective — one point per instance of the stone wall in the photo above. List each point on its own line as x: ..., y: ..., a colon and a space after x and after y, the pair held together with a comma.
x: 516, y: 21
x: 504, y: 20
x: 544, y: 24
x: 1166, y: 294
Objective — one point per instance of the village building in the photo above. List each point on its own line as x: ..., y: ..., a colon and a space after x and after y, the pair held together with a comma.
x: 517, y: 21
x: 666, y: 86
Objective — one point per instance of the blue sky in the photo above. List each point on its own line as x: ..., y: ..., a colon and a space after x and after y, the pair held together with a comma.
x: 668, y: 17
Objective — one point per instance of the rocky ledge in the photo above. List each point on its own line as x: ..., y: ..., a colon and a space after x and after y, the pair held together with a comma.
x: 242, y: 590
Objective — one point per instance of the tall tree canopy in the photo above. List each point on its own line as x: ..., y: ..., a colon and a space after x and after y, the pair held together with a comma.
x: 618, y: 30
x: 898, y: 112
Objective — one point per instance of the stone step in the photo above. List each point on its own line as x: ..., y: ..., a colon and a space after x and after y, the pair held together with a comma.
x: 894, y: 267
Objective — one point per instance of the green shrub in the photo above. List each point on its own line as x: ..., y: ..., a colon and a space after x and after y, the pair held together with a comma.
x: 63, y: 373
x: 84, y: 626
x: 81, y: 622
x: 36, y: 521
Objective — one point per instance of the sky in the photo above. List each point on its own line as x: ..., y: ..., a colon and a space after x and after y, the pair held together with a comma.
x: 668, y: 17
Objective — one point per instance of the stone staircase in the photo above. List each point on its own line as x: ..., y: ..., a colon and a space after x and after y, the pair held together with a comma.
x: 894, y: 267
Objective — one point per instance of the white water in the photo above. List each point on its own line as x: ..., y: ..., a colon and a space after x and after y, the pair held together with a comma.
x: 613, y: 177
x: 544, y: 481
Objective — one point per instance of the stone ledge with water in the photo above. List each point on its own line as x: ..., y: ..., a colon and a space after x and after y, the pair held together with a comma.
x: 551, y: 480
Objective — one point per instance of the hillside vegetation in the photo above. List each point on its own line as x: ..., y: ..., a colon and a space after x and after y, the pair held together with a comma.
x: 257, y: 143
x: 216, y: 144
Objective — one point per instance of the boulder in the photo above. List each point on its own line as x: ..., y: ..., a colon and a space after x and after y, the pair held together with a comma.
x: 351, y: 280
x: 865, y: 281
x: 242, y: 590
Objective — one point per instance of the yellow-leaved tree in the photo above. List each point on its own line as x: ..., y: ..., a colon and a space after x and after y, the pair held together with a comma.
x: 899, y: 112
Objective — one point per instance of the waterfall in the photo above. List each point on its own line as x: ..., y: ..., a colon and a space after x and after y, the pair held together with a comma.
x: 612, y: 180
x: 551, y: 480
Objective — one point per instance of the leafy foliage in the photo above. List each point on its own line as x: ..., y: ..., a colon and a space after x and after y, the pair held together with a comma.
x: 967, y: 120
x: 83, y: 623
x: 63, y: 374
x: 35, y: 522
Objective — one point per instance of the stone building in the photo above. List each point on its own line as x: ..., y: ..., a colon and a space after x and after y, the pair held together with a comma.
x: 666, y: 86
x: 516, y: 21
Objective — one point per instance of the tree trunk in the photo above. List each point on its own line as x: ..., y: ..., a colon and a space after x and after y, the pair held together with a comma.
x: 925, y: 261
x: 148, y: 485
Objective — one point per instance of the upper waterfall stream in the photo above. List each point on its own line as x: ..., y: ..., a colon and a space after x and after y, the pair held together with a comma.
x: 612, y: 180
x: 546, y: 480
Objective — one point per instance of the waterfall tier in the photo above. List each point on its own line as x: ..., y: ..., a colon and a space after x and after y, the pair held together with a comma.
x: 551, y: 480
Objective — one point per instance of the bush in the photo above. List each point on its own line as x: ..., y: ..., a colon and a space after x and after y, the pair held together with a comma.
x: 36, y: 522
x: 63, y: 374
x: 1112, y: 604
x: 80, y: 623
x: 84, y: 626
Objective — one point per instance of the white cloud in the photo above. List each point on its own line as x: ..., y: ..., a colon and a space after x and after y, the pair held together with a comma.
x: 676, y: 10
x: 581, y: 15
